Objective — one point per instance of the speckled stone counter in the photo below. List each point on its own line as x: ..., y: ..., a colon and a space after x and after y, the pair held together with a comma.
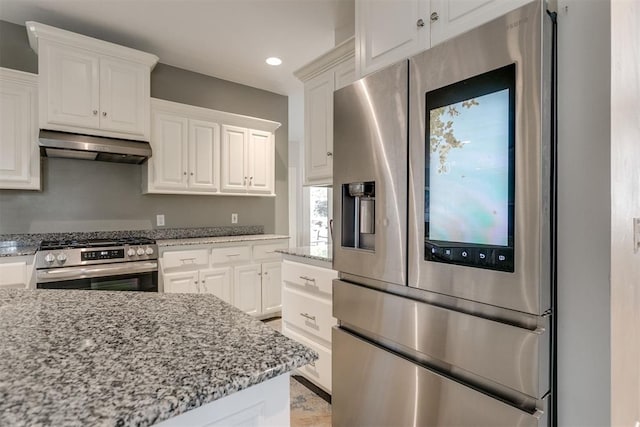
x: 13, y: 248
x: 34, y: 239
x: 126, y: 358
x: 218, y: 239
x: 319, y: 252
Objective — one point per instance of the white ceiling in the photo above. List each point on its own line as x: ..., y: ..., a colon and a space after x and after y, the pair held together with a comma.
x: 229, y: 39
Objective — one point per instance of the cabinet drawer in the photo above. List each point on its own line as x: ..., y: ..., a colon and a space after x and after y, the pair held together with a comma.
x: 309, y: 277
x: 174, y: 259
x: 268, y: 251
x: 231, y: 254
x: 308, y: 313
x: 318, y: 372
x: 13, y: 275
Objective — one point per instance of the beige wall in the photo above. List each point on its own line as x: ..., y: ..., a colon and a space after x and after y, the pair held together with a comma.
x: 625, y: 205
x: 88, y: 196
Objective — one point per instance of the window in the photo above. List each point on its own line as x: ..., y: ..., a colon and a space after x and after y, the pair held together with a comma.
x: 317, y: 214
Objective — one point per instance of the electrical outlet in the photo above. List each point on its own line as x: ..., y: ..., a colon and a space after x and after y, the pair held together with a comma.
x: 234, y: 218
x: 160, y: 220
x: 636, y: 238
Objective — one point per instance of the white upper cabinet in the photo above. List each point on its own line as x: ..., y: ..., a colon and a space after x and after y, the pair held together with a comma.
x: 321, y: 77
x: 247, y: 161
x: 204, y: 155
x: 90, y: 86
x: 390, y: 30
x: 387, y: 31
x: 234, y: 159
x: 19, y: 151
x: 452, y: 17
x: 202, y: 151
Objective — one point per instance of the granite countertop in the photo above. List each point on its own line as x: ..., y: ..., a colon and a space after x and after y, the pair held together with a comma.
x: 13, y: 248
x: 126, y: 358
x: 218, y: 239
x: 319, y: 252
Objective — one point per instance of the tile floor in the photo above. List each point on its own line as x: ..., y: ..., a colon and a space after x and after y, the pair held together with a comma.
x: 307, y: 408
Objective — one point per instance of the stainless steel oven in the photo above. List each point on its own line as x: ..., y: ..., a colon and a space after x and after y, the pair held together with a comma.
x: 111, y: 265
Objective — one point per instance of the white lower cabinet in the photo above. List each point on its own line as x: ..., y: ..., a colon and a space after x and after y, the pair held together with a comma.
x: 17, y: 272
x: 307, y: 315
x: 244, y: 274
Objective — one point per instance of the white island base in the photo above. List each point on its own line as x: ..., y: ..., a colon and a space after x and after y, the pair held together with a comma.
x: 264, y: 404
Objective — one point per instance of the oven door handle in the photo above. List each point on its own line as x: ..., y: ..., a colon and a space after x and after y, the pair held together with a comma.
x: 84, y: 272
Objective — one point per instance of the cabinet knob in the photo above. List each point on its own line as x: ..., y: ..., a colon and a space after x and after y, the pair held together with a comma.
x: 420, y: 22
x: 95, y: 112
x: 329, y: 154
x: 244, y: 182
x: 202, y: 282
x: 184, y: 173
x: 104, y: 114
x: 434, y: 17
x: 191, y: 173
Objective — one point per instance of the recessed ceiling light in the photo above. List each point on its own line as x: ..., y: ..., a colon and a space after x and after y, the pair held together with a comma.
x: 273, y: 61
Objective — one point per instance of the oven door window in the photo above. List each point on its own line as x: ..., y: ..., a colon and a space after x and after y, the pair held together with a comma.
x: 145, y: 282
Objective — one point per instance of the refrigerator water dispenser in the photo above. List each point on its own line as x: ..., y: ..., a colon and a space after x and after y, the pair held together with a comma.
x: 358, y: 215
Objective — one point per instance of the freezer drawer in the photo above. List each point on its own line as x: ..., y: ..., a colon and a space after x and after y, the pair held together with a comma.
x: 371, y: 386
x: 507, y: 360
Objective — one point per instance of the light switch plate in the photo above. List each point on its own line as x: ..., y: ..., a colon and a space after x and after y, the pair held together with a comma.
x: 234, y: 218
x: 160, y: 220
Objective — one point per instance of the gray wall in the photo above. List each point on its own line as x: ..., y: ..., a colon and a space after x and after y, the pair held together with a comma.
x: 88, y: 196
x: 583, y: 305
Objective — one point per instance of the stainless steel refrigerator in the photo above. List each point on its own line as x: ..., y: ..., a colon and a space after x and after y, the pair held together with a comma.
x: 444, y: 189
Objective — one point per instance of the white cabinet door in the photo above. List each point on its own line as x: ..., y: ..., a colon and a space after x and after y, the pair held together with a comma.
x: 234, y: 159
x: 246, y: 288
x: 169, y: 147
x: 261, y: 162
x: 72, y: 85
x: 389, y: 30
x: 124, y: 96
x: 19, y: 152
x: 318, y: 125
x: 181, y: 282
x: 457, y: 16
x: 271, y: 287
x: 204, y: 155
x: 217, y: 281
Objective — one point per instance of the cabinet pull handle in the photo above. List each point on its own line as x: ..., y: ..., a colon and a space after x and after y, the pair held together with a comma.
x: 308, y: 279
x: 308, y: 316
x: 184, y: 260
x: 329, y: 154
x: 420, y: 23
x: 95, y: 112
x: 104, y: 114
x: 244, y: 182
x: 233, y: 254
x: 434, y: 17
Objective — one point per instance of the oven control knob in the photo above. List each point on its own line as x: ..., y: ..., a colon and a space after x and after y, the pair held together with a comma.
x: 140, y: 251
x: 50, y: 258
x: 149, y: 250
x: 61, y: 258
x: 131, y: 252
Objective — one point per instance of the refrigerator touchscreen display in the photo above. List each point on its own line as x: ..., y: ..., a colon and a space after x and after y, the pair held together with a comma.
x: 469, y: 172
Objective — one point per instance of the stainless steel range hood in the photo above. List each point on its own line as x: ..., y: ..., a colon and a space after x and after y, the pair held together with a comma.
x: 86, y: 147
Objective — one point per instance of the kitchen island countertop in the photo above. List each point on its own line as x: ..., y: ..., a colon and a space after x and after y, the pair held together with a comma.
x: 128, y: 358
